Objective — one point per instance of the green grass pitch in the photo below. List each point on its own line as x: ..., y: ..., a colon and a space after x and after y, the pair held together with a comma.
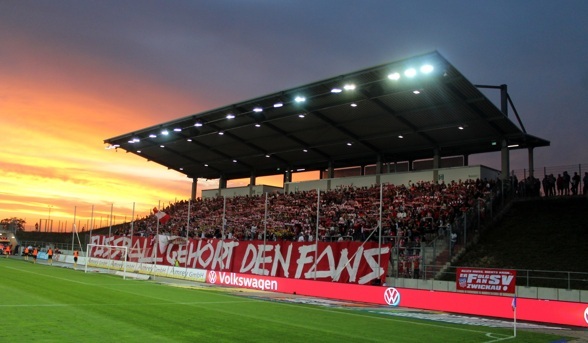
x: 41, y: 303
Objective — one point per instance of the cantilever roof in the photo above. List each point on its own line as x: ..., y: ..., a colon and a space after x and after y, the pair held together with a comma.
x: 381, y: 117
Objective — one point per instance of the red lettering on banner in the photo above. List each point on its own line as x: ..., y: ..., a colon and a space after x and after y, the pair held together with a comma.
x: 349, y: 262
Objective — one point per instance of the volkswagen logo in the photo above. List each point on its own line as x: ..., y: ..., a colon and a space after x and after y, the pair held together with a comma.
x: 212, y: 276
x: 392, y: 296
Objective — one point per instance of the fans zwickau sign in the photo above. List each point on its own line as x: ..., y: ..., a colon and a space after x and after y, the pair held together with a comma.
x: 486, y: 280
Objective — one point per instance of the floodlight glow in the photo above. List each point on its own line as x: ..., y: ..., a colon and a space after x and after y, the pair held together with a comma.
x: 198, y: 124
x: 138, y: 151
x: 189, y: 139
x: 300, y: 99
x: 513, y: 146
x: 349, y: 87
x: 267, y: 155
x: 353, y: 105
x: 416, y: 91
x: 164, y: 132
x: 301, y: 115
x: 336, y: 90
x: 400, y: 136
x: 206, y: 164
x: 427, y: 68
x: 300, y: 169
x: 152, y: 135
x: 177, y: 129
x: 460, y: 127
x: 162, y: 146
x: 221, y: 133
x: 410, y: 72
x: 394, y: 76
x: 257, y: 125
x: 234, y: 161
x: 349, y: 144
x: 305, y: 150
x: 230, y: 116
x: 181, y: 168
x: 278, y: 104
x: 257, y: 109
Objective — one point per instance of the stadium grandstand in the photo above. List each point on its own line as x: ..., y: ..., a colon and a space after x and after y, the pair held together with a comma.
x: 391, y: 144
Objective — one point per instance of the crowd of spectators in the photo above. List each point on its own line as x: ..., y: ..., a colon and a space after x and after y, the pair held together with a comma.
x: 411, y: 214
x: 562, y: 185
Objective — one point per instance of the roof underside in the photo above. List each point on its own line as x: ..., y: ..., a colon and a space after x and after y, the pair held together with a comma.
x: 381, y: 119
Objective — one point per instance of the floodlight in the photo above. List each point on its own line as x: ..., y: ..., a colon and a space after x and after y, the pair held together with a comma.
x: 394, y: 76
x: 301, y: 115
x: 164, y: 132
x: 257, y: 109
x: 278, y: 104
x: 178, y: 129
x: 336, y: 90
x: 257, y: 125
x: 152, y: 135
x: 300, y: 99
x: 221, y: 133
x: 427, y: 68
x: 410, y: 72
x: 230, y: 116
x: 198, y: 123
x: 349, y: 87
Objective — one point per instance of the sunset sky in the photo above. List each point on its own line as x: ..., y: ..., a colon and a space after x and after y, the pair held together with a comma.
x: 73, y: 73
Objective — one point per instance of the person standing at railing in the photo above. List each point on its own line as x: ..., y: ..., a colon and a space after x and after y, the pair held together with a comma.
x: 575, y: 183
x: 585, y: 180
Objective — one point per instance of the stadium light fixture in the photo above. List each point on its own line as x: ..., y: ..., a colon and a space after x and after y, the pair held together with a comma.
x: 198, y: 123
x: 301, y: 115
x: 336, y: 90
x: 162, y: 146
x: 416, y: 91
x: 230, y: 116
x: 400, y: 136
x: 164, y: 132
x: 257, y: 109
x: 410, y: 72
x: 278, y: 104
x: 221, y: 133
x: 300, y: 99
x: 257, y: 125
x: 177, y: 129
x: 349, y: 87
x: 394, y: 76
x: 426, y: 69
x: 152, y: 135
x: 353, y: 104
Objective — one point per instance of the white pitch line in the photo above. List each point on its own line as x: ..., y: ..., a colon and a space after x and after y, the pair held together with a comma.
x: 496, y: 339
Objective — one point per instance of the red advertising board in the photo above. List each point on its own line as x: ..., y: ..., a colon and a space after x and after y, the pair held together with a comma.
x: 486, y: 280
x: 536, y: 310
